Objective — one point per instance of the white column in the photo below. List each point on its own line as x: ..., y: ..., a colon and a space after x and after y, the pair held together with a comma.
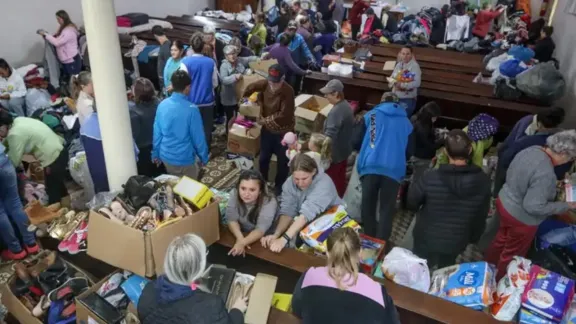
x: 110, y: 90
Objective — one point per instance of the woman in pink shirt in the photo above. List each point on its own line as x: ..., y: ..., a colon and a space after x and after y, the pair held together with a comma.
x: 66, y: 43
x: 484, y: 20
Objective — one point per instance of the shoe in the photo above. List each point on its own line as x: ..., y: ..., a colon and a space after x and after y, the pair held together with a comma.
x: 42, y: 306
x: 109, y: 214
x: 21, y: 271
x: 77, y: 241
x: 8, y: 255
x: 45, y: 260
x: 27, y: 302
x: 39, y: 214
x: 59, y: 228
x: 71, y: 288
x: 142, y: 217
x: 32, y: 249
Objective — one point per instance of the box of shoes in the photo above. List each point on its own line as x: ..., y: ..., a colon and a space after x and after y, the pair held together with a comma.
x: 244, y: 141
x: 142, y: 252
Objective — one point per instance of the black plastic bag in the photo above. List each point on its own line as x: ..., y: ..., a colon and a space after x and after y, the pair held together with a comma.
x: 138, y: 190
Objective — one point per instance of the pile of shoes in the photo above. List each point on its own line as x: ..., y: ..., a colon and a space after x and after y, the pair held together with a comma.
x: 47, y: 286
x: 162, y: 208
x: 110, y: 301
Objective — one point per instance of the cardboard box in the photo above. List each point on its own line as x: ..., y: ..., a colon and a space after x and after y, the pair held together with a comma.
x: 260, y: 299
x: 311, y: 112
x: 261, y: 67
x: 245, y: 82
x: 244, y: 141
x: 143, y: 252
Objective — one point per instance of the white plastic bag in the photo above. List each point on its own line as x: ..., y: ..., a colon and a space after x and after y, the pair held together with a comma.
x: 346, y: 71
x: 37, y: 99
x: 510, y: 288
x: 495, y: 62
x: 334, y: 69
x: 405, y: 268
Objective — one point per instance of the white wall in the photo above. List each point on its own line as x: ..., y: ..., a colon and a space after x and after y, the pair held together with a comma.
x: 21, y: 45
x: 565, y: 38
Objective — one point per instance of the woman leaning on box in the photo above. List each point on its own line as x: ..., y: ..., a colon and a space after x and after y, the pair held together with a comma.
x: 177, y: 296
x: 338, y: 293
x: 307, y: 193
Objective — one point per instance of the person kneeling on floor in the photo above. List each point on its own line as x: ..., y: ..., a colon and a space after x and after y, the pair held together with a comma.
x: 306, y: 194
x: 251, y: 209
x: 452, y: 203
x: 338, y: 293
x: 12, y: 89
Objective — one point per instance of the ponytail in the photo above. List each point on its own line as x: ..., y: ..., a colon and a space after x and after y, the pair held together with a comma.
x: 77, y: 82
x: 324, y: 144
x: 343, y: 256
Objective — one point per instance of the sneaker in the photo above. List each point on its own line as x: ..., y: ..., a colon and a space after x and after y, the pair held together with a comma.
x: 11, y: 256
x: 32, y: 249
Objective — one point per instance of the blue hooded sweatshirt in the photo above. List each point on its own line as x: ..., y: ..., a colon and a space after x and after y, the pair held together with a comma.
x: 383, y: 150
x: 178, y: 132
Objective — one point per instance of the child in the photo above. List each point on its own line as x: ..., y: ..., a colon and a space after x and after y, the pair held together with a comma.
x: 453, y: 203
x: 480, y: 130
x: 319, y: 146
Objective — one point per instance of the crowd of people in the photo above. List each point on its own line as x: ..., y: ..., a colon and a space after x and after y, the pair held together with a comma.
x: 172, y: 130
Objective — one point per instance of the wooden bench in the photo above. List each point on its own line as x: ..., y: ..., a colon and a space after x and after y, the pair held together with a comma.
x: 413, y: 306
x: 459, y: 104
x: 99, y: 270
x: 435, y: 52
x: 200, y: 21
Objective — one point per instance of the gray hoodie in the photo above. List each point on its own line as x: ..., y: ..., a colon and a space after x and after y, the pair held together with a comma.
x: 530, y: 188
x: 228, y: 79
x: 313, y: 201
x: 409, y: 89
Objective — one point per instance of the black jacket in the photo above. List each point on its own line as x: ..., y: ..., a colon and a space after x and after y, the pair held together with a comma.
x: 423, y: 143
x: 454, y: 202
x: 544, y: 49
x: 165, y: 302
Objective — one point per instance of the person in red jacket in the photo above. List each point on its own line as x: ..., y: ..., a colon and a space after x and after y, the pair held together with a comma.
x: 484, y: 19
x: 355, y: 16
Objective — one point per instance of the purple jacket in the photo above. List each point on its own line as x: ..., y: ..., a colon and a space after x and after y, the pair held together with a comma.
x: 66, y: 44
x: 517, y: 132
x: 284, y: 57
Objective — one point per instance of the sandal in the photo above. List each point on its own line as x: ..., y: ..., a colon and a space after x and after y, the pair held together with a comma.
x: 61, y: 228
x: 108, y: 214
x: 142, y: 217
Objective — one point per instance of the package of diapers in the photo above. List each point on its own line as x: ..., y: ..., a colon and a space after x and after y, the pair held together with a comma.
x: 316, y: 233
x: 547, y: 294
x: 466, y: 284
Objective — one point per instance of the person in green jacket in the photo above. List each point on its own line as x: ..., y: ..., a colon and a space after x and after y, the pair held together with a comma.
x: 259, y: 30
x: 480, y: 130
x: 24, y: 135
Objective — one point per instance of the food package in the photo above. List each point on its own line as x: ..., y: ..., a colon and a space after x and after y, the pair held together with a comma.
x: 467, y: 284
x: 372, y: 252
x: 316, y: 233
x: 547, y: 294
x: 570, y: 317
x: 405, y: 268
x: 508, y: 297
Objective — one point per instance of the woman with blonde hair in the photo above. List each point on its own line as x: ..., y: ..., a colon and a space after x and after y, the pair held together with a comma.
x: 178, y: 297
x: 339, y: 293
x: 82, y: 90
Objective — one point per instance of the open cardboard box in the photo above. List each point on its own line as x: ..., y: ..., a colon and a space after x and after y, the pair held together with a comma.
x: 311, y: 112
x: 247, y: 80
x: 143, y: 252
x: 86, y: 315
x: 15, y: 306
x: 244, y: 141
x: 249, y: 110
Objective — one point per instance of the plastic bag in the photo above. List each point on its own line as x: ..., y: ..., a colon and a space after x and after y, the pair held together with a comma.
x: 543, y: 82
x: 512, y: 68
x: 495, y: 62
x: 37, y: 99
x: 521, y: 53
x: 508, y: 297
x: 466, y: 284
x: 102, y: 199
x: 406, y: 269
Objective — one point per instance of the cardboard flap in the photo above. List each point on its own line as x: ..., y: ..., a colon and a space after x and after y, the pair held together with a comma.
x: 261, y: 297
x: 115, y: 243
x: 301, y: 99
x: 245, y: 82
x: 305, y: 113
x: 262, y: 66
x: 204, y: 223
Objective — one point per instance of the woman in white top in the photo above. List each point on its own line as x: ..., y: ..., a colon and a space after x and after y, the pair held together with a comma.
x: 82, y: 91
x: 12, y: 89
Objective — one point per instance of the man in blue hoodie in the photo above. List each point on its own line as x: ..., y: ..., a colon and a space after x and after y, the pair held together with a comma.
x: 178, y: 136
x: 383, y: 139
x: 204, y: 76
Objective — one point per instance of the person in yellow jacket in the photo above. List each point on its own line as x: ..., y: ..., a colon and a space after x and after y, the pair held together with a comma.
x: 480, y: 130
x: 259, y: 30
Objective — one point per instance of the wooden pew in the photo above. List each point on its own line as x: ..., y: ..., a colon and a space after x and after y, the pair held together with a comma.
x: 458, y: 104
x: 200, y: 21
x: 99, y: 270
x: 413, y: 306
x: 435, y: 52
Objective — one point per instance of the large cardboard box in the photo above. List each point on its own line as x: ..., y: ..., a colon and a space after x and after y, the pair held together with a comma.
x: 250, y: 109
x: 245, y: 82
x: 244, y: 141
x: 261, y: 67
x: 143, y: 252
x: 260, y: 299
x: 311, y: 112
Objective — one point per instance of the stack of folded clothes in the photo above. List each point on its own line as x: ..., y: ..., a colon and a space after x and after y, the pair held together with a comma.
x: 47, y: 286
x: 110, y: 301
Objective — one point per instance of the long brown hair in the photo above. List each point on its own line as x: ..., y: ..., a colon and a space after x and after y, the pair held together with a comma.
x: 66, y: 21
x: 303, y: 162
x: 343, y: 256
x: 263, y: 197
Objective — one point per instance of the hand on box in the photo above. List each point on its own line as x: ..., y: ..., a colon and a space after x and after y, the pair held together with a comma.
x: 278, y: 244
x: 241, y: 304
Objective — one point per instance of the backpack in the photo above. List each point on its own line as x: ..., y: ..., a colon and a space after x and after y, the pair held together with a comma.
x: 138, y: 190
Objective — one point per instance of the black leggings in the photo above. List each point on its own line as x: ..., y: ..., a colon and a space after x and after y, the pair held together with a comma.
x: 378, y: 188
x: 55, y: 176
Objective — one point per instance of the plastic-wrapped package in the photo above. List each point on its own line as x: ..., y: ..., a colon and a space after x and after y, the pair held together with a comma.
x: 508, y: 297
x: 407, y: 269
x: 466, y: 284
x: 316, y: 233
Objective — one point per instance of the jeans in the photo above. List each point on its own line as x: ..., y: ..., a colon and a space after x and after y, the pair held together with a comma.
x: 409, y: 104
x: 270, y: 144
x: 74, y: 67
x: 191, y: 171
x: 11, y: 209
x: 207, y: 113
x: 15, y: 105
x: 378, y: 187
x: 55, y: 176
